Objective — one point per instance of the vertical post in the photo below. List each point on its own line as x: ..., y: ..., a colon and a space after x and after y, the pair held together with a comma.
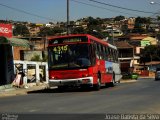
x: 46, y: 69
x: 25, y: 70
x: 133, y: 60
x: 44, y: 42
x: 112, y: 36
x: 37, y: 73
x: 68, y: 23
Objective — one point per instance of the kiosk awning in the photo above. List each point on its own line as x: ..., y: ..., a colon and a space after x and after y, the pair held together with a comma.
x: 15, y: 42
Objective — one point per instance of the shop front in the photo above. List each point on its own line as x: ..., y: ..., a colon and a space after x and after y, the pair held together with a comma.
x: 6, y: 58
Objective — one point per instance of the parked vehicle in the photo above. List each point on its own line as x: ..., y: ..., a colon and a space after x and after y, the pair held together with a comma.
x: 130, y: 76
x: 157, y: 74
x: 134, y: 76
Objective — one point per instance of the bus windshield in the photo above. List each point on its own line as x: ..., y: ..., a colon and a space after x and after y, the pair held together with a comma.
x: 69, y: 56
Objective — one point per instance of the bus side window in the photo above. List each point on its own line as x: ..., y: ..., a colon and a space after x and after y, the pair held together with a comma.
x: 93, y: 54
x: 96, y: 49
x: 116, y: 59
x: 109, y: 54
x: 106, y: 53
x: 101, y: 51
x: 114, y: 55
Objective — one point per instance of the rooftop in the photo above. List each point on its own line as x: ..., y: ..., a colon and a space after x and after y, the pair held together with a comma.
x: 123, y: 44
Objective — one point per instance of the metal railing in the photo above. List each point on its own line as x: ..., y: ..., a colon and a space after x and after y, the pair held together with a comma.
x: 25, y: 66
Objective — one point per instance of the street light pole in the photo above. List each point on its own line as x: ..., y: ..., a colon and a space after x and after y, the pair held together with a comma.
x: 68, y: 23
x: 113, y: 36
x: 152, y: 2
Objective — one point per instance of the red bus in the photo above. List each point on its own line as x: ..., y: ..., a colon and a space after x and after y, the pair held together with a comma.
x: 82, y: 60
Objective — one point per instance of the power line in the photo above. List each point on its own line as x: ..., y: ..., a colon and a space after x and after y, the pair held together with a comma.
x: 121, y: 7
x: 22, y: 11
x: 102, y: 7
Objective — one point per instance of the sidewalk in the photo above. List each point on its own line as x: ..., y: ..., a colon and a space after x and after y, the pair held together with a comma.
x: 13, y: 91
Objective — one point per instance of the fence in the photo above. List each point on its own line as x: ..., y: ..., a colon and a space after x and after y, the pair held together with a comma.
x: 26, y: 66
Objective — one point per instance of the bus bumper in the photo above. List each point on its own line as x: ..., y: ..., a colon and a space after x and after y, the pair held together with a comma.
x: 71, y: 82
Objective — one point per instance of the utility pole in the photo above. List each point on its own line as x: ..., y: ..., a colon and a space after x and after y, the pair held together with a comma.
x: 68, y: 23
x: 113, y: 36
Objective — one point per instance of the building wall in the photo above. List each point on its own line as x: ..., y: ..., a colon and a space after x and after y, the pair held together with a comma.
x: 138, y: 50
x: 28, y: 55
x: 16, y: 52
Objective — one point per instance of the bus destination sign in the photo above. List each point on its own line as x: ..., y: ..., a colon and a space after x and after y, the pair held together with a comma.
x: 68, y: 40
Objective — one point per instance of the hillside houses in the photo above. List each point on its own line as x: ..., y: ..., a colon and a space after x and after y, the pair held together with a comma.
x: 128, y: 43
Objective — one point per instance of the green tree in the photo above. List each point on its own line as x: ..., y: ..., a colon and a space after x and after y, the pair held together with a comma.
x: 94, y: 22
x: 20, y: 30
x: 124, y: 28
x: 142, y: 20
x: 58, y: 30
x: 158, y: 17
x: 33, y: 25
x: 46, y: 31
x: 118, y: 18
x: 150, y: 53
x: 36, y: 58
x: 139, y: 22
x: 78, y: 30
x: 50, y: 31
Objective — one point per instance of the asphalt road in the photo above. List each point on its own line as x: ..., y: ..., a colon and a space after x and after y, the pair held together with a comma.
x: 139, y: 97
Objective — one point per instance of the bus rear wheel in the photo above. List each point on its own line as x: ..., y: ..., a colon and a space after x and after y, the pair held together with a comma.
x: 113, y: 83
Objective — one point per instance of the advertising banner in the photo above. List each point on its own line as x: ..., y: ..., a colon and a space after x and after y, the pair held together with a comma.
x: 6, y: 30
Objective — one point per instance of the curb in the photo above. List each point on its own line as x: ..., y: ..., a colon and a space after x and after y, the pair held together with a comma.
x: 134, y: 80
x: 128, y: 81
x: 146, y: 77
x: 21, y: 91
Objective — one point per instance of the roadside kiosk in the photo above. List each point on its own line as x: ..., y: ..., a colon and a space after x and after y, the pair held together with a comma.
x: 6, y: 58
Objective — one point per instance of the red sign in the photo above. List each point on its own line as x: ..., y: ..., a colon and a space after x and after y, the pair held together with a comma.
x: 6, y: 30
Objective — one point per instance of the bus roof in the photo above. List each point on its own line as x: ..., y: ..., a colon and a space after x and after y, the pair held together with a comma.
x: 87, y: 35
x: 64, y: 36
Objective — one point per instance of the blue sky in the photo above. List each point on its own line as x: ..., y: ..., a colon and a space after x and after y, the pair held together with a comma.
x: 56, y: 9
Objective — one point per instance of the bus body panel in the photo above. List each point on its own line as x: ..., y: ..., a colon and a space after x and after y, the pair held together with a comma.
x: 105, y: 69
x: 72, y: 77
x: 68, y: 74
x: 71, y: 82
x: 116, y: 69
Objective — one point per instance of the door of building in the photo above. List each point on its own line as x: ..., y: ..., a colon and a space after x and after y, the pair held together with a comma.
x: 6, y: 64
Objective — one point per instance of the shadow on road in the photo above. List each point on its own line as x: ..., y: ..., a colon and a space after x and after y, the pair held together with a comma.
x: 67, y: 90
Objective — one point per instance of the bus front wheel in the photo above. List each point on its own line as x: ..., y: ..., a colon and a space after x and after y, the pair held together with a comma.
x: 62, y: 88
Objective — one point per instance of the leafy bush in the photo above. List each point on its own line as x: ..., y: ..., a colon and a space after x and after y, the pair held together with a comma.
x: 36, y: 58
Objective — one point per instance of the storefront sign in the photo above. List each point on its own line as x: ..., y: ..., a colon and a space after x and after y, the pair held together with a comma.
x: 6, y: 30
